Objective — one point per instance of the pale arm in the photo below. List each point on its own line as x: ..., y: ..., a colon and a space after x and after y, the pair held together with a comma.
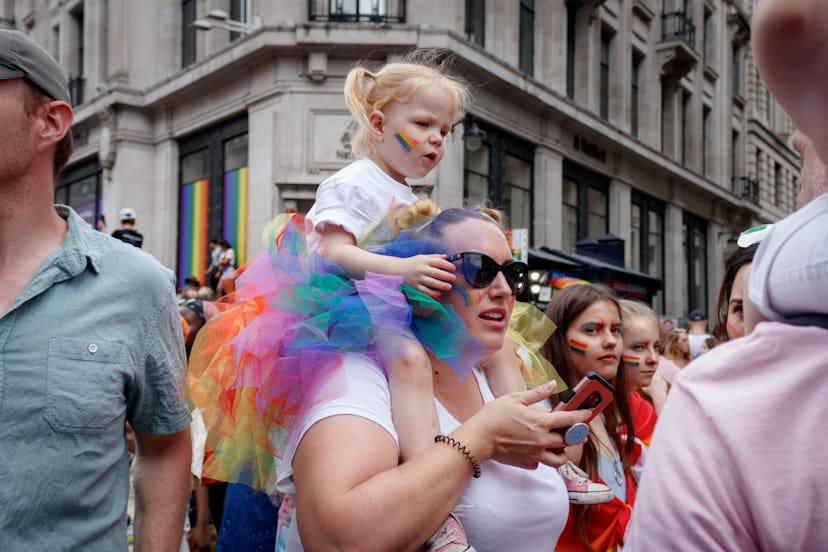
x: 337, y: 507
x: 162, y: 486
x: 790, y: 41
x: 200, y: 534
x: 657, y: 391
x: 430, y: 274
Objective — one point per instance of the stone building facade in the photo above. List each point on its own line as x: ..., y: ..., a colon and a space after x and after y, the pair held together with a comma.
x: 644, y: 119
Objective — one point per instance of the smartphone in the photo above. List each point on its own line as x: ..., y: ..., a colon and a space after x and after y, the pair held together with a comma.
x: 102, y: 218
x: 592, y: 391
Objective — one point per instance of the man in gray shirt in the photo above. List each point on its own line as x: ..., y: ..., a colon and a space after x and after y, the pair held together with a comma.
x: 89, y: 338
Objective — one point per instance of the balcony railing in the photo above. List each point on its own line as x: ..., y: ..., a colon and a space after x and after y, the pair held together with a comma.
x: 76, y: 90
x: 746, y: 187
x: 677, y: 26
x: 357, y: 11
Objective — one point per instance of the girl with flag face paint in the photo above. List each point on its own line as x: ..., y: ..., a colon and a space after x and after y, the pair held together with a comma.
x: 589, y: 338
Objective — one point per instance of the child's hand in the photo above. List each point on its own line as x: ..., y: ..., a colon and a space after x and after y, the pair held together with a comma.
x: 430, y: 274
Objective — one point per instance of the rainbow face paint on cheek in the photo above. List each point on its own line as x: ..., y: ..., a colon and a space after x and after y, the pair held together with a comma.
x: 577, y: 347
x: 733, y: 333
x: 631, y: 361
x: 408, y: 143
x: 463, y: 292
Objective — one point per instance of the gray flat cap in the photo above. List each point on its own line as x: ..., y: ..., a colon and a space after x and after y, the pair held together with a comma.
x: 22, y: 58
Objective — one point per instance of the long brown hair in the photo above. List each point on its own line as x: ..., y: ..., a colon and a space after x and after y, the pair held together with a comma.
x: 739, y: 258
x: 567, y: 304
x: 671, y: 350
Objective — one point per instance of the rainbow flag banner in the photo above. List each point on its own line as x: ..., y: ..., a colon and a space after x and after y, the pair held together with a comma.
x: 234, y: 221
x: 192, y: 230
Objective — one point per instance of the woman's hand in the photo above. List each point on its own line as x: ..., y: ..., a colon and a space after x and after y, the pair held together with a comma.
x: 513, y: 430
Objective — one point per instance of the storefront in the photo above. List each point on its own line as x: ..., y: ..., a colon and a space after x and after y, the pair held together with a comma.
x: 551, y: 269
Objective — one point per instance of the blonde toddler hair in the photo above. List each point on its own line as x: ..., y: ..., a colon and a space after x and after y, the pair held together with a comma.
x: 366, y: 92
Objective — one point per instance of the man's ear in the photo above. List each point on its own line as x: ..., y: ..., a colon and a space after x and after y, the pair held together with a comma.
x: 56, y: 122
x: 376, y: 124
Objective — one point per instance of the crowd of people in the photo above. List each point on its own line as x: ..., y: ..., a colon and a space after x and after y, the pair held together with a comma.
x: 369, y: 382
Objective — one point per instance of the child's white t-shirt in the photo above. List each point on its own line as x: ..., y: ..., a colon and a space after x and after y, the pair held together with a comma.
x: 355, y: 198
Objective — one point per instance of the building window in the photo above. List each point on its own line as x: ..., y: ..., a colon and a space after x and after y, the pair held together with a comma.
x: 212, y: 195
x: 517, y: 191
x: 238, y: 12
x: 685, y: 125
x: 634, y: 93
x: 707, y: 138
x: 500, y: 171
x: 476, y: 21
x: 80, y: 188
x: 587, y: 192
x: 778, y: 185
x: 76, y: 67
x: 606, y: 40
x: 708, y: 40
x: 571, y: 27
x: 476, y: 175
x: 526, y: 48
x: 695, y: 247
x: 647, y: 237
x: 357, y: 11
x: 570, y: 213
x: 188, y: 32
x: 737, y: 70
x: 596, y: 212
x: 735, y: 168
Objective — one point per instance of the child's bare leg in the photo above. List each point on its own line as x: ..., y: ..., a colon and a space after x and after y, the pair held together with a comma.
x: 503, y: 370
x: 412, y: 394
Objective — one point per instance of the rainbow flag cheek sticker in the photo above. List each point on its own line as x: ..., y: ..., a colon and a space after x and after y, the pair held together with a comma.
x: 462, y: 292
x: 631, y: 361
x: 406, y: 141
x: 577, y: 347
x: 733, y: 333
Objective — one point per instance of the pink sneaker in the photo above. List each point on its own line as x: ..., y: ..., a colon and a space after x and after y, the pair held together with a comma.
x: 450, y: 537
x: 581, y: 489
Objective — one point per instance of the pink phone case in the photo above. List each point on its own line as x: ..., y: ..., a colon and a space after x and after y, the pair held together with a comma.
x: 592, y: 391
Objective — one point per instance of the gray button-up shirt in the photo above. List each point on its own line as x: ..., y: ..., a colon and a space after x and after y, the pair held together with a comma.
x: 93, y: 340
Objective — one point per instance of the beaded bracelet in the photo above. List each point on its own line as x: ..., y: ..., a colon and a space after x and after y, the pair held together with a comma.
x: 454, y: 443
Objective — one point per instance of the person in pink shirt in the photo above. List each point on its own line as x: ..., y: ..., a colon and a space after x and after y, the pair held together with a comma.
x: 736, y: 459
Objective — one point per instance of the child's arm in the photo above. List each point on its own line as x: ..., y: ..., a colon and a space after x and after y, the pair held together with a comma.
x: 430, y: 274
x: 503, y: 370
x: 412, y: 393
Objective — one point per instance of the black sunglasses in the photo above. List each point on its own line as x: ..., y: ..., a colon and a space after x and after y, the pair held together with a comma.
x: 480, y: 270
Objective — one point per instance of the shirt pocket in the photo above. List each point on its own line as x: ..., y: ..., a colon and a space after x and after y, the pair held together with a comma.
x: 85, y: 384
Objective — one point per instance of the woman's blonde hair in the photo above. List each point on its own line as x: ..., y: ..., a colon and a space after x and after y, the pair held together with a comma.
x: 366, y: 92
x: 426, y: 210
x: 636, y: 309
x: 670, y: 347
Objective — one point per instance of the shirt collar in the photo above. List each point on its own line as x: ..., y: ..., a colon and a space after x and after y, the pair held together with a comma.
x: 78, y: 251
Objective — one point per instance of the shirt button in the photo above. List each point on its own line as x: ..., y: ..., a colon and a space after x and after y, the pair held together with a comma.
x: 92, y: 348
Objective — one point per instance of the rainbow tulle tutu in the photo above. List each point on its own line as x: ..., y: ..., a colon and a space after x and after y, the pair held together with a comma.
x: 258, y: 364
